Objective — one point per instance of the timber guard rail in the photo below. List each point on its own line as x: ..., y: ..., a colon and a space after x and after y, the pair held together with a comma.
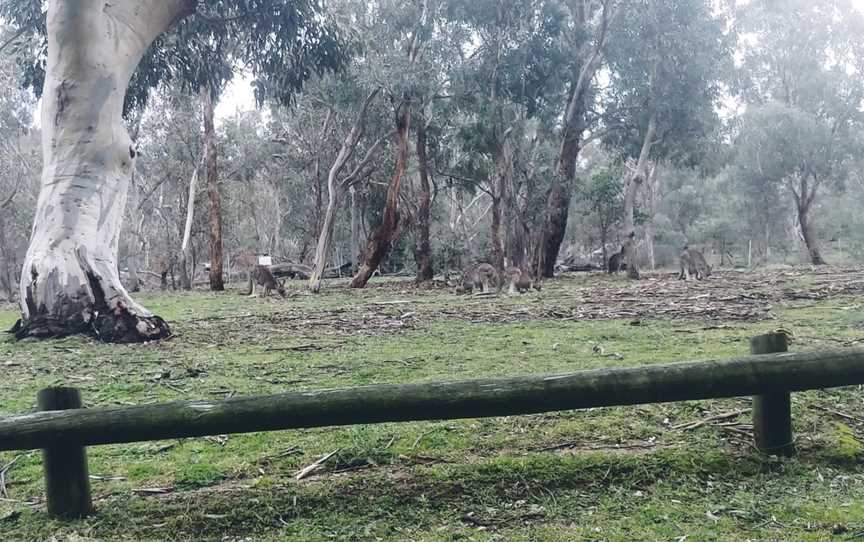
x: 63, y: 428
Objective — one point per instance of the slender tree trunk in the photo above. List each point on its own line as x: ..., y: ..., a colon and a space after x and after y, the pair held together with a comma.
x: 70, y: 282
x: 381, y: 240
x: 379, y: 243
x: 649, y: 244
x: 604, y: 239
x: 498, y: 232
x: 334, y: 189
x: 652, y: 213
x: 134, y: 258
x: 355, y: 230
x: 636, y: 180
x: 501, y: 199
x: 422, y: 245
x: 325, y: 238
x: 318, y: 186
x: 210, y: 157
x: 6, y: 280
x: 186, y: 245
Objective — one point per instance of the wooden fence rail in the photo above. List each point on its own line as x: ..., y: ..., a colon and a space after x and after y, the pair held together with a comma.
x: 768, y: 377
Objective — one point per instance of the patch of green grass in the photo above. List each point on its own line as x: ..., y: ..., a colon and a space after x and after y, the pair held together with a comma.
x: 606, y: 474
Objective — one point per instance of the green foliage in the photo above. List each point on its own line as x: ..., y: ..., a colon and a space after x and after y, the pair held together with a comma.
x: 604, y: 195
x: 666, y: 57
x: 282, y: 43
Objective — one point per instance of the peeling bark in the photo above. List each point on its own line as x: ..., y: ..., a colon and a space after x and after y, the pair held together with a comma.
x: 810, y: 239
x: 804, y: 196
x: 380, y: 241
x: 70, y: 282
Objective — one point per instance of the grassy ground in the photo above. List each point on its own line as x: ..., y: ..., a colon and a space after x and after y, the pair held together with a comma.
x: 629, y: 473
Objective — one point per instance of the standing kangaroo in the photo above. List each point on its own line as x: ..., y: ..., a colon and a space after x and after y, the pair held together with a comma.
x: 616, y: 262
x: 520, y: 280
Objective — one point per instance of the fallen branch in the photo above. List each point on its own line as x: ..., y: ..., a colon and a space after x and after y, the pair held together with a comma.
x: 306, y: 471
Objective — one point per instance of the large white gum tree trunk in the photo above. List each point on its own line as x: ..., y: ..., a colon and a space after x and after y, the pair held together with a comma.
x: 70, y: 283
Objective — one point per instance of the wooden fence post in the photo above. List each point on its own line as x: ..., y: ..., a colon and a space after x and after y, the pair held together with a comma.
x: 67, y: 482
x: 772, y: 412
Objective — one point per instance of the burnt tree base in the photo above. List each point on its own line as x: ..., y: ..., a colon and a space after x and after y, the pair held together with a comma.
x: 110, y: 328
x: 88, y: 311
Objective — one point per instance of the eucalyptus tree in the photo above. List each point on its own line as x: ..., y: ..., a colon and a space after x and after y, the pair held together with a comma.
x: 337, y: 183
x: 803, y: 75
x: 92, y: 52
x: 587, y: 37
x: 666, y: 58
x: 409, y: 28
x: 508, y: 89
x: 790, y: 148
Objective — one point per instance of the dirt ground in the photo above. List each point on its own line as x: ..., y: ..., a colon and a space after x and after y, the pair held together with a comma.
x: 726, y: 296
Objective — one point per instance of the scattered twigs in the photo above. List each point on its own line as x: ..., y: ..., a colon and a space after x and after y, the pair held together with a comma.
x: 839, y: 414
x: 3, y: 472
x: 699, y: 423
x: 600, y: 447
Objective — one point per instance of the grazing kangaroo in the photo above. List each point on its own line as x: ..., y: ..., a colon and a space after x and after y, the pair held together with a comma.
x: 470, y: 280
x: 479, y: 277
x: 520, y: 281
x: 693, y: 263
x: 260, y: 276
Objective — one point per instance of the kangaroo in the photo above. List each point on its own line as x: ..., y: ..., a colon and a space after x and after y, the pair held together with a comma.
x: 616, y: 262
x: 520, y: 280
x: 260, y: 276
x: 693, y: 263
x: 488, y: 277
x: 470, y: 280
x: 478, y: 277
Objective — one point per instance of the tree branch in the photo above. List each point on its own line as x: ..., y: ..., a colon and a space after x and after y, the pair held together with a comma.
x: 353, y: 177
x: 12, y: 38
